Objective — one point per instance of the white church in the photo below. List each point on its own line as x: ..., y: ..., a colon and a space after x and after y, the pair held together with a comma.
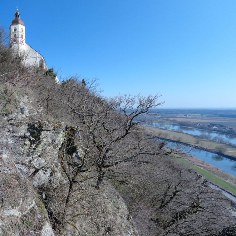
x: 20, y: 47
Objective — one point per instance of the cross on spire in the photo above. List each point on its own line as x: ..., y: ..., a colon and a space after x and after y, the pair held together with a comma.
x: 17, y: 14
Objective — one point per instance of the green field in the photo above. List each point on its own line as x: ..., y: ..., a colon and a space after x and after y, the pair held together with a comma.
x: 216, y: 180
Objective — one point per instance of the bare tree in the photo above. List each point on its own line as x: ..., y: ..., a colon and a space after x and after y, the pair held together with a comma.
x: 105, y: 125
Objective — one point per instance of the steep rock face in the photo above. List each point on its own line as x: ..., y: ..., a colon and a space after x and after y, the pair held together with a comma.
x: 40, y: 190
x: 97, y: 212
x: 22, y: 211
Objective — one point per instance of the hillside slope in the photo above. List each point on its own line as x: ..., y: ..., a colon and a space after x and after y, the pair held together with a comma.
x: 73, y: 163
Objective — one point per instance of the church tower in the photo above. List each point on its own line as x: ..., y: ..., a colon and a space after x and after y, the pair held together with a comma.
x: 17, y: 33
x: 17, y: 42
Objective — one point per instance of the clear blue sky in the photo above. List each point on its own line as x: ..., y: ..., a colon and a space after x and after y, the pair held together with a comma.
x: 184, y: 50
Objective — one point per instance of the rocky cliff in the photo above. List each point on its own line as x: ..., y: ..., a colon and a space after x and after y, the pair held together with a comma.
x: 36, y: 196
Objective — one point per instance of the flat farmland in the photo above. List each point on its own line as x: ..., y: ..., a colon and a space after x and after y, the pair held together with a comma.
x: 191, y: 121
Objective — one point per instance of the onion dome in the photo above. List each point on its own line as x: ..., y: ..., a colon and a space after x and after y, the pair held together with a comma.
x: 17, y: 20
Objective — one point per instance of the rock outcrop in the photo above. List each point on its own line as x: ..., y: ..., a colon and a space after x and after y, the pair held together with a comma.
x: 36, y: 193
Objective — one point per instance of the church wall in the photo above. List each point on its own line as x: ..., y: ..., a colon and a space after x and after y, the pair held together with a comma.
x: 33, y: 58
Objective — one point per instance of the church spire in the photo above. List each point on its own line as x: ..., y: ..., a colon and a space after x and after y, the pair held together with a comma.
x: 17, y: 19
x: 17, y: 14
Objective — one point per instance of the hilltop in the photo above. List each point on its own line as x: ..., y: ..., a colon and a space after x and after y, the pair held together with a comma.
x: 75, y: 163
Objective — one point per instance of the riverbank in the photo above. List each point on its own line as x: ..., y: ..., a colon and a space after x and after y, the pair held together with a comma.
x: 212, y: 174
x: 204, y: 144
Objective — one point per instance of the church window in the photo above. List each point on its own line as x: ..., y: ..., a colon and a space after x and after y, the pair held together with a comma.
x: 15, y: 29
x: 15, y: 35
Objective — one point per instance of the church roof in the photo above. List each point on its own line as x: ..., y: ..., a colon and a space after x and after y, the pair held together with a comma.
x: 17, y: 19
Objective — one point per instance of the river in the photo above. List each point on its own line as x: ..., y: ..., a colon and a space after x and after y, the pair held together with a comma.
x: 225, y: 164
x: 210, y: 135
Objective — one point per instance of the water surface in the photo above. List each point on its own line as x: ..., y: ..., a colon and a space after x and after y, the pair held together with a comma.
x: 223, y: 163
